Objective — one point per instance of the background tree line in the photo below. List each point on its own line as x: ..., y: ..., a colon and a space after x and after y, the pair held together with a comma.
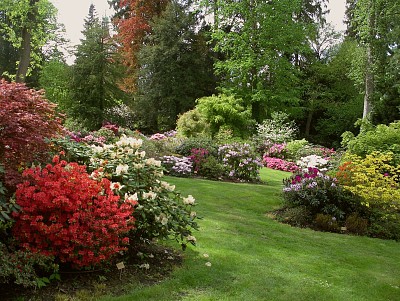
x: 267, y: 56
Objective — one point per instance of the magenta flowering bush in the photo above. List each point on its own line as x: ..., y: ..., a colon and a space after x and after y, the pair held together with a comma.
x: 198, y: 157
x: 318, y: 193
x: 279, y: 164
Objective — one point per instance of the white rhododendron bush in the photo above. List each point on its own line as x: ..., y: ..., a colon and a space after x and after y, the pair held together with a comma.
x: 161, y: 212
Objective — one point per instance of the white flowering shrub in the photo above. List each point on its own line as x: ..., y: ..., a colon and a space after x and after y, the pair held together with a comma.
x: 161, y: 211
x: 313, y: 161
x: 275, y: 130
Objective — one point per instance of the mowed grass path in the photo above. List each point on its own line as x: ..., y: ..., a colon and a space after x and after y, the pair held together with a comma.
x: 255, y: 258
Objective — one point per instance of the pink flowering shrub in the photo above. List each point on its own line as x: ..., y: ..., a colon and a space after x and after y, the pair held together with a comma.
x: 279, y: 164
x: 276, y: 150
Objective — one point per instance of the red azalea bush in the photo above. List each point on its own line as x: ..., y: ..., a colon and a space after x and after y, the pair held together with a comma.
x: 26, y: 120
x: 67, y: 214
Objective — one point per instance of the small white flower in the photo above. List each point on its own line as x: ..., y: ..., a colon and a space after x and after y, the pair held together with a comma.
x: 115, y: 186
x: 131, y: 198
x: 189, y: 200
x: 154, y: 162
x: 208, y: 264
x: 167, y: 186
x: 193, y: 214
x: 97, y: 149
x: 149, y: 195
x: 162, y: 218
x: 205, y: 255
x: 144, y: 266
x: 138, y: 165
x: 121, y: 169
x: 191, y: 238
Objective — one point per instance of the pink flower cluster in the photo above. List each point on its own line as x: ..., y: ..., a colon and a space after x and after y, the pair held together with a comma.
x: 279, y: 164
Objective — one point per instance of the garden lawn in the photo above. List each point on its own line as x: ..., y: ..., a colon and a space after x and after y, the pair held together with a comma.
x: 254, y: 257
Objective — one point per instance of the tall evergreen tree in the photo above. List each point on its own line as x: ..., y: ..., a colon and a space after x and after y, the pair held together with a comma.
x: 95, y: 74
x: 175, y: 69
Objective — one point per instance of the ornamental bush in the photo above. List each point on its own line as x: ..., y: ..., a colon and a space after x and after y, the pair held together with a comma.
x: 318, y: 193
x: 278, y: 129
x: 185, y: 148
x: 161, y: 212
x: 241, y: 162
x: 27, y: 119
x: 177, y: 166
x: 382, y: 138
x: 375, y: 179
x: 21, y: 266
x: 69, y: 215
x: 279, y: 164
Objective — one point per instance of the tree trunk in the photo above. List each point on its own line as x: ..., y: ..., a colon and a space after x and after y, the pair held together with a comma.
x: 308, y: 123
x: 369, y: 85
x: 25, y: 51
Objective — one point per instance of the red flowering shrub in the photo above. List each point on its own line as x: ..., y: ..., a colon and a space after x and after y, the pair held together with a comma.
x: 26, y: 120
x: 67, y: 214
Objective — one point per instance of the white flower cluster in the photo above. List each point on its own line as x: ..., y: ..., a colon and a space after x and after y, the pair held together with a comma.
x: 313, y: 161
x: 129, y: 141
x: 189, y: 200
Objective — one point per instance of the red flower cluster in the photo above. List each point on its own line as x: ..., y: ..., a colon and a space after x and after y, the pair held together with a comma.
x: 67, y: 214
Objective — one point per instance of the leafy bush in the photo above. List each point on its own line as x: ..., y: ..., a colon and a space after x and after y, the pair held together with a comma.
x: 326, y: 222
x: 356, y: 224
x: 381, y: 138
x: 27, y: 119
x: 21, y: 266
x: 294, y: 147
x: 192, y: 124
x: 213, y: 169
x: 71, y: 216
x: 74, y: 150
x: 225, y: 111
x: 241, y: 162
x: 185, y: 148
x: 177, y: 166
x: 319, y: 193
x: 161, y: 212
x: 298, y: 216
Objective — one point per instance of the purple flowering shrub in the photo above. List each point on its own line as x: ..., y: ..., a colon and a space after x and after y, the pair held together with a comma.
x: 279, y: 164
x: 241, y: 162
x: 319, y: 193
x: 158, y: 136
x: 177, y: 166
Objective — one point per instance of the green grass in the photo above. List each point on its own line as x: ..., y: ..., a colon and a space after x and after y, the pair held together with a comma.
x: 255, y: 258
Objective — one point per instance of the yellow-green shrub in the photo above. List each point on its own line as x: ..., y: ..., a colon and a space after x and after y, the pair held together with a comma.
x: 374, y: 178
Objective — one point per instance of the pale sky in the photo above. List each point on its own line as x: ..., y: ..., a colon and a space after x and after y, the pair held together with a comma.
x: 73, y: 12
